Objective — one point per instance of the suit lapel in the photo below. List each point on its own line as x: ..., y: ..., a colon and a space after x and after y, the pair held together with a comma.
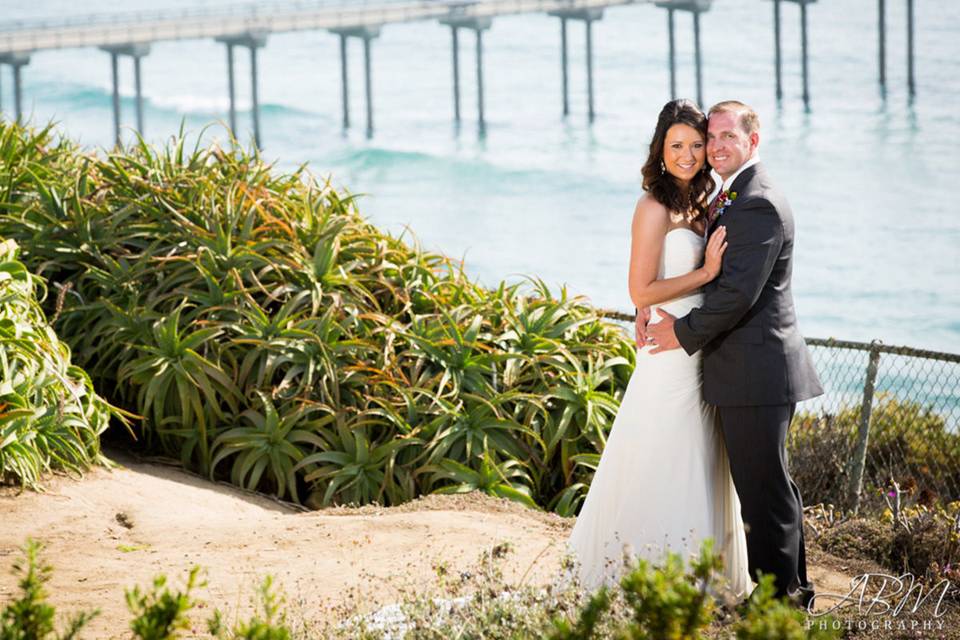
x: 737, y: 187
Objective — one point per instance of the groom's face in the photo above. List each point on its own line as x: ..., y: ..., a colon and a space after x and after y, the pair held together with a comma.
x: 728, y: 145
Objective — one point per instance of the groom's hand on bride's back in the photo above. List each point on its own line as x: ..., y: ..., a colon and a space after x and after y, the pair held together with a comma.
x: 661, y: 334
x: 640, y: 326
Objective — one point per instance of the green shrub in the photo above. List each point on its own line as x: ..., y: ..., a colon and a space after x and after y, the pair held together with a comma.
x: 908, y: 444
x: 30, y: 617
x: 670, y: 600
x: 266, y: 331
x: 666, y: 601
x: 159, y: 613
x: 50, y: 417
x: 766, y: 618
x: 273, y: 625
x: 907, y: 538
x: 868, y: 538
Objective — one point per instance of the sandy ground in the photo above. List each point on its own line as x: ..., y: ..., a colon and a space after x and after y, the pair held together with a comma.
x: 115, y: 529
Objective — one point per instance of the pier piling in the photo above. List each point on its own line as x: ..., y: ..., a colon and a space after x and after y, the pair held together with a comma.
x: 803, y: 53
x: 135, y: 51
x: 697, y: 57
x: 564, y: 73
x: 882, y: 43
x: 478, y: 25
x: 455, y: 46
x: 138, y: 89
x: 232, y: 90
x: 254, y: 96
x: 695, y: 7
x: 480, y: 117
x: 777, y: 56
x: 365, y: 34
x: 804, y: 49
x: 344, y: 81
x: 17, y: 93
x: 253, y: 40
x: 588, y: 16
x: 911, y: 80
x: 17, y: 61
x: 672, y: 54
x: 115, y: 75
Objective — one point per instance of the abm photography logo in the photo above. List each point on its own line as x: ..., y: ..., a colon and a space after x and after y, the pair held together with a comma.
x: 882, y: 601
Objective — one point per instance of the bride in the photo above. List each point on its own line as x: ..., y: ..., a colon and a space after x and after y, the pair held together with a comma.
x: 663, y: 482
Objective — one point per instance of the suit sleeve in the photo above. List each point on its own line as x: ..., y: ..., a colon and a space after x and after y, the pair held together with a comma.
x: 754, y: 241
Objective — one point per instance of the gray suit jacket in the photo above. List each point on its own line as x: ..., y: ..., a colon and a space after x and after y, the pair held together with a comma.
x: 753, y: 353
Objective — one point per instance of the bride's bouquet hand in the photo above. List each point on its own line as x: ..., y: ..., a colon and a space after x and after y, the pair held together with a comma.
x: 713, y: 254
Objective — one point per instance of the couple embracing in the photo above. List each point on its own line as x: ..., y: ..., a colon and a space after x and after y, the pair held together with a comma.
x: 697, y: 449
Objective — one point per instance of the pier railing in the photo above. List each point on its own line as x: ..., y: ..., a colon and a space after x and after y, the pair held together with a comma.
x: 886, y: 429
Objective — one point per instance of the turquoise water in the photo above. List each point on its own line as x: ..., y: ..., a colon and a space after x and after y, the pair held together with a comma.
x: 872, y: 182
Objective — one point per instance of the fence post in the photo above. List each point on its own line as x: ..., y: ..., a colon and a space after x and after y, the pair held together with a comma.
x: 863, y: 435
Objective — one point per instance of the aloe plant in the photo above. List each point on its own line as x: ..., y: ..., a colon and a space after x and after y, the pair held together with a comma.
x: 268, y: 333
x: 50, y: 417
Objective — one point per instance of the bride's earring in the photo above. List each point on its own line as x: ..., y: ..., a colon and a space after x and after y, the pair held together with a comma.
x: 663, y: 167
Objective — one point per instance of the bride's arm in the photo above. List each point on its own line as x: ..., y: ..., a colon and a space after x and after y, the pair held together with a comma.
x: 649, y: 228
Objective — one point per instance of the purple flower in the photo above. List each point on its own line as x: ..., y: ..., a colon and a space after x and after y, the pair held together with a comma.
x: 892, y: 494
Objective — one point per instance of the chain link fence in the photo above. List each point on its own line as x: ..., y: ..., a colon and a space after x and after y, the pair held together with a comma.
x: 888, y: 421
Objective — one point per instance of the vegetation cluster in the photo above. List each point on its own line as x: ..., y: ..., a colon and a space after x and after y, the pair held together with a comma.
x: 264, y: 330
x: 665, y: 602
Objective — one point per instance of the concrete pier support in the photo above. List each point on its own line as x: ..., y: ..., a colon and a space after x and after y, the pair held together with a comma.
x: 882, y: 43
x: 911, y: 78
x: 136, y: 52
x: 365, y: 34
x: 695, y: 7
x: 17, y: 61
x: 479, y: 58
x: 455, y: 48
x: 344, y: 82
x: 138, y: 89
x: 777, y: 55
x: 232, y: 90
x: 672, y: 54
x: 255, y: 96
x: 698, y: 57
x: 564, y: 73
x: 588, y: 17
x: 253, y: 41
x: 478, y: 26
x: 115, y: 76
x: 804, y: 52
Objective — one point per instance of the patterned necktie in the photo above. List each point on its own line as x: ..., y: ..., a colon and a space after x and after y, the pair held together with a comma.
x: 712, y: 210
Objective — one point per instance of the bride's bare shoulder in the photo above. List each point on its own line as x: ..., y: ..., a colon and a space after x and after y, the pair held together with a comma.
x: 649, y: 211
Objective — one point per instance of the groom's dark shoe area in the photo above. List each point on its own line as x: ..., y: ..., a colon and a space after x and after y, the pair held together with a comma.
x: 756, y: 367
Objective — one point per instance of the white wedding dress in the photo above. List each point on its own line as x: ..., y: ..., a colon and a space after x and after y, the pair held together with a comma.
x: 663, y: 482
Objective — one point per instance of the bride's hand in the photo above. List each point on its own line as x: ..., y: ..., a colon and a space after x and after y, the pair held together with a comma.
x: 714, y: 252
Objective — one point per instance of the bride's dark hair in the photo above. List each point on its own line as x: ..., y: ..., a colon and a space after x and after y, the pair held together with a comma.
x: 660, y: 183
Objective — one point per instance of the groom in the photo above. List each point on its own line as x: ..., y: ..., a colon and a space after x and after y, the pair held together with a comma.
x: 756, y: 366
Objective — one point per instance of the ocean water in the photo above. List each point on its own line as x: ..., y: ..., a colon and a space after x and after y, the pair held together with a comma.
x: 873, y: 181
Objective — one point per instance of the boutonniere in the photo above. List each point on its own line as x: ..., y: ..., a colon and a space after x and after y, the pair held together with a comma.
x: 724, y: 200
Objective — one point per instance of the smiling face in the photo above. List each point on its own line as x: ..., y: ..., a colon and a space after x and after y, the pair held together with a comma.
x: 684, y: 152
x: 728, y: 145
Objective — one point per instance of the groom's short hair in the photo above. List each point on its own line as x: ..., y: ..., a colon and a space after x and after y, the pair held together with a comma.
x: 749, y: 121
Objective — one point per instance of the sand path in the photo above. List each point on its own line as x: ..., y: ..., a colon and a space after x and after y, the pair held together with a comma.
x: 115, y: 529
